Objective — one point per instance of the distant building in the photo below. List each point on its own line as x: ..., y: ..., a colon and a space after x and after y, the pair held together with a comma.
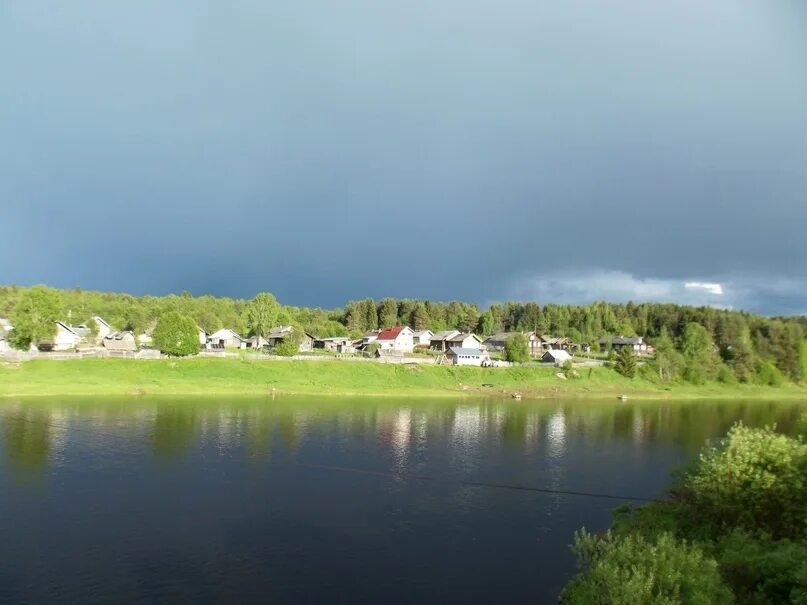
x: 556, y: 356
x: 335, y: 344
x: 496, y: 342
x: 120, y: 341
x: 64, y: 339
x: 536, y: 344
x: 617, y: 343
x: 460, y: 356
x: 423, y: 338
x: 464, y: 341
x: 398, y: 338
x: 202, y: 337
x: 279, y: 334
x: 5, y: 329
x: 104, y: 330
x: 226, y: 339
x: 438, y: 341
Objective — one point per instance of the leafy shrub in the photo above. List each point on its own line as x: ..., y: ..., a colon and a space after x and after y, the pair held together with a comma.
x: 635, y: 571
x: 768, y: 374
x: 756, y: 480
x: 763, y: 570
x: 290, y: 345
x: 726, y: 375
x: 176, y: 334
x: 517, y: 348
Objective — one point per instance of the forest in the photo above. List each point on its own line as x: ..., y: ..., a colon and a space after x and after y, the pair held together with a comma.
x: 730, y: 344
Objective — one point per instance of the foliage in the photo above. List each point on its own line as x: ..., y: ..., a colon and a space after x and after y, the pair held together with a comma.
x: 756, y: 480
x: 725, y: 374
x: 291, y: 343
x: 262, y: 314
x: 763, y: 570
x: 34, y: 316
x: 768, y: 374
x: 635, y: 571
x: 92, y: 326
x: 176, y: 334
x: 625, y: 362
x: 517, y: 348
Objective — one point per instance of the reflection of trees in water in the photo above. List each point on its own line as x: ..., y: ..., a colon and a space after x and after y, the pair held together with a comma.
x: 27, y: 441
x: 175, y: 430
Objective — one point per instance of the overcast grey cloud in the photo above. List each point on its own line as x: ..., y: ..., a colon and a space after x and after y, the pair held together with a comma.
x: 566, y: 151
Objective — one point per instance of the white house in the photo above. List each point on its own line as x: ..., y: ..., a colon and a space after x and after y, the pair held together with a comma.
x: 226, y: 338
x: 202, y: 337
x: 64, y: 339
x: 464, y: 341
x: 104, y: 329
x: 460, y: 356
x: 5, y: 328
x: 423, y: 338
x: 556, y: 356
x: 399, y: 338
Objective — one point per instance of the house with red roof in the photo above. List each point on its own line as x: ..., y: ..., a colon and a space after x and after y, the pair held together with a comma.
x: 399, y: 338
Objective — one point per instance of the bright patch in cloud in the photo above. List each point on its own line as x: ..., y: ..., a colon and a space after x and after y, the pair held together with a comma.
x: 716, y: 289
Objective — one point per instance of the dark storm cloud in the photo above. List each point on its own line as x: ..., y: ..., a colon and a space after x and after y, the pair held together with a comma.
x: 448, y: 149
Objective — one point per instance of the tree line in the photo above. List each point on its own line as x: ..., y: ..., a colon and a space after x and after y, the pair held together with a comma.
x: 693, y: 343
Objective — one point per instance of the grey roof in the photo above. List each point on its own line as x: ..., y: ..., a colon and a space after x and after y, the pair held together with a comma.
x: 622, y: 340
x: 421, y: 332
x: 82, y: 331
x: 500, y: 336
x: 279, y: 331
x: 466, y: 351
x: 444, y: 335
x: 461, y: 337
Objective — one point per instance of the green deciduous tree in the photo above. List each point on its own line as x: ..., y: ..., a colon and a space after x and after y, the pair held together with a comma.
x: 176, y: 334
x: 517, y: 348
x: 262, y: 314
x: 34, y: 316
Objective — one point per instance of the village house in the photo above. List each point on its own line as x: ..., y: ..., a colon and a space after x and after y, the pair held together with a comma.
x: 556, y: 357
x: 495, y: 342
x: 202, y: 337
x: 123, y: 341
x: 226, y: 339
x: 460, y: 356
x: 617, y: 343
x: 438, y: 340
x: 464, y: 341
x: 104, y: 330
x: 536, y: 344
x: 423, y: 338
x: 279, y: 334
x: 64, y: 339
x: 336, y: 344
x: 398, y: 338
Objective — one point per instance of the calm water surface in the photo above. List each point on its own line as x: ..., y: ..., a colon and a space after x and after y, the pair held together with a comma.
x: 324, y: 499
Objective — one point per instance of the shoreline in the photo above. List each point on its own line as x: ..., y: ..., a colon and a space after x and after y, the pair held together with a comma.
x: 199, y: 377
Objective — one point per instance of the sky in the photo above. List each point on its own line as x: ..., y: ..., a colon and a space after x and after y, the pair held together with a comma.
x: 563, y: 151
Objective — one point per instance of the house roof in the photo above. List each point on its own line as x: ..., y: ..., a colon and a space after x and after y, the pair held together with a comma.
x: 558, y: 354
x: 466, y: 351
x: 391, y: 333
x: 461, y: 337
x: 444, y: 335
x: 500, y: 336
x: 66, y: 327
x: 422, y: 332
x: 622, y: 340
x: 225, y: 333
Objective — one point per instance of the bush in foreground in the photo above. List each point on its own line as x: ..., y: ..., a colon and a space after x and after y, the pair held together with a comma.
x: 176, y: 334
x: 635, y: 571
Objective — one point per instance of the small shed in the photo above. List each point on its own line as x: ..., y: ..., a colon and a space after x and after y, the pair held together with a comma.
x: 460, y: 356
x: 556, y: 356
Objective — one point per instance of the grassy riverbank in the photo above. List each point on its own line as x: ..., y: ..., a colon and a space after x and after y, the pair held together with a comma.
x: 244, y: 376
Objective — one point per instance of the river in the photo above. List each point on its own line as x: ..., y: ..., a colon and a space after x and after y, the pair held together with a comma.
x: 307, y: 499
